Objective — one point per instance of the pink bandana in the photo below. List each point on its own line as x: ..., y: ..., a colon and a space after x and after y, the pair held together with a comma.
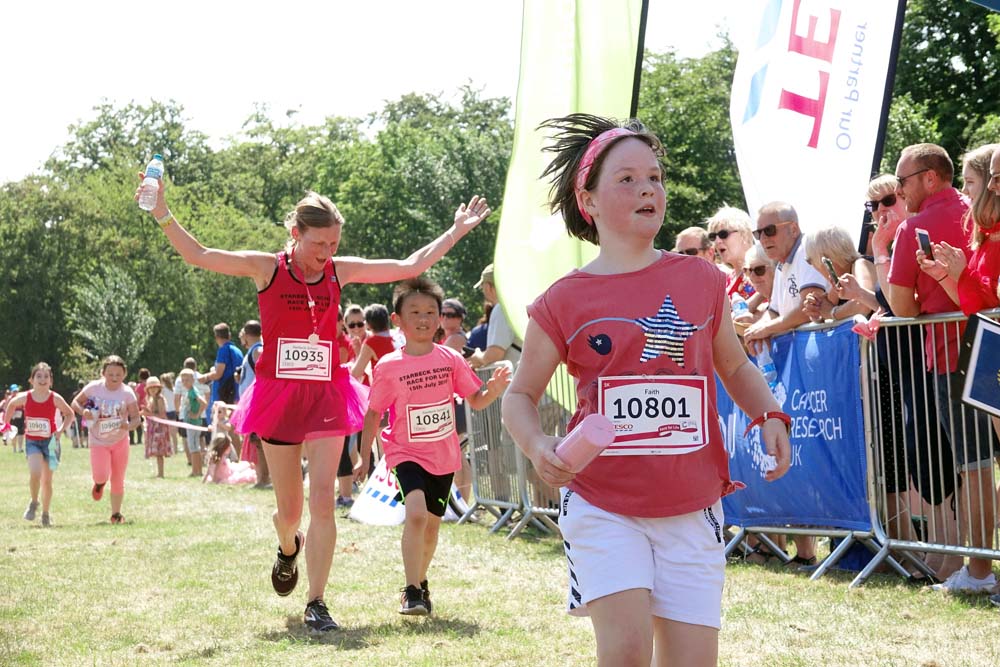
x: 594, y: 149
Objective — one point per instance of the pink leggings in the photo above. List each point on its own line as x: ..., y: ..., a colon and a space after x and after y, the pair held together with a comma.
x: 110, y: 463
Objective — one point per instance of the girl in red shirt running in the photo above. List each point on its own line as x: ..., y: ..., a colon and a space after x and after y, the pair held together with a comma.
x: 644, y: 332
x: 303, y: 401
x: 41, y: 437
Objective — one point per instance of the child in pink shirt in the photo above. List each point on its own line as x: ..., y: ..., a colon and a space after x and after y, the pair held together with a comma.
x: 418, y: 384
x: 644, y: 333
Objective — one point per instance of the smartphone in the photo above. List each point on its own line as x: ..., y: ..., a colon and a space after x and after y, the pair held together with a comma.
x: 468, y: 351
x: 924, y: 239
x: 829, y: 269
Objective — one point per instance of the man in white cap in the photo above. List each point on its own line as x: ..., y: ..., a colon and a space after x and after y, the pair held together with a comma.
x: 501, y: 341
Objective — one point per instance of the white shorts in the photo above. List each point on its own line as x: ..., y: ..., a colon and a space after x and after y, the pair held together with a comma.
x: 680, y: 560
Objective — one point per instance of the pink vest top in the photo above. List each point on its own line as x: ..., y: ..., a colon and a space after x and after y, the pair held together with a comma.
x: 284, y: 310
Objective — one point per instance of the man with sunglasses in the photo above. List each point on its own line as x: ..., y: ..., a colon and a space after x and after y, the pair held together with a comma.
x: 924, y: 173
x: 794, y: 279
x: 694, y: 241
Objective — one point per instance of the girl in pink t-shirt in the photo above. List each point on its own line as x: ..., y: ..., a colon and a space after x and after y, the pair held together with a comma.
x: 644, y: 332
x: 418, y: 384
x: 110, y: 410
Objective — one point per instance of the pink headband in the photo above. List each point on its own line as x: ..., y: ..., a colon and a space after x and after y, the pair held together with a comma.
x: 594, y: 149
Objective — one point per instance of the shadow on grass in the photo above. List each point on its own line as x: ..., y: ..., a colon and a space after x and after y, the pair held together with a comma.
x: 350, y: 637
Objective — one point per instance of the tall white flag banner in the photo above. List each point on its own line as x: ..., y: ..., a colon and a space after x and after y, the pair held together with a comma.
x: 806, y: 104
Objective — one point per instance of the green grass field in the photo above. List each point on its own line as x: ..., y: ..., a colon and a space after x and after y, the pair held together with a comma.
x: 186, y: 581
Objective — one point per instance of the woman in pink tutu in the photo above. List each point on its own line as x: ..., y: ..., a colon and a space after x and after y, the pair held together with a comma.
x: 303, y: 401
x: 221, y: 470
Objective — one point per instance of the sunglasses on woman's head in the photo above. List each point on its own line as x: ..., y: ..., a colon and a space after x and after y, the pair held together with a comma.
x: 770, y: 230
x: 885, y: 202
x: 758, y: 270
x: 355, y: 325
x: 722, y: 234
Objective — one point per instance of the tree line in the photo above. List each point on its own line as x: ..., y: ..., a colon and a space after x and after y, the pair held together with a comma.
x: 86, y: 273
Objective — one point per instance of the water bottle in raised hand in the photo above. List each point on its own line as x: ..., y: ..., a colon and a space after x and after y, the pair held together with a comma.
x: 151, y: 183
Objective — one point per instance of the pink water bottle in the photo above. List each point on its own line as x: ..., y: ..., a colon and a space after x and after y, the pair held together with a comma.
x: 585, y: 442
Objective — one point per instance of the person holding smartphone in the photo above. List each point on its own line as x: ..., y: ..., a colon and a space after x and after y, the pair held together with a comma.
x: 924, y: 175
x: 832, y: 251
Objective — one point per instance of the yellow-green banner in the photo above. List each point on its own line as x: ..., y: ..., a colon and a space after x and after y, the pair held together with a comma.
x: 576, y: 56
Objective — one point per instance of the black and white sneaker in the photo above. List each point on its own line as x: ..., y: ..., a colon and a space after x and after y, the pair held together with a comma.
x: 29, y: 514
x: 317, y: 617
x: 411, y: 602
x: 426, y: 593
x: 284, y: 574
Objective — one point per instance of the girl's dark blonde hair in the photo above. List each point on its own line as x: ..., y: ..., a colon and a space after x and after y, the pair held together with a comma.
x: 113, y: 360
x: 41, y: 365
x: 572, y: 134
x: 313, y: 211
x: 983, y: 215
x: 220, y: 443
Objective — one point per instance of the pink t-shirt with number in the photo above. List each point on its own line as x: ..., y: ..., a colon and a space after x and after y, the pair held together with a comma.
x: 626, y: 338
x: 111, y: 412
x: 419, y: 393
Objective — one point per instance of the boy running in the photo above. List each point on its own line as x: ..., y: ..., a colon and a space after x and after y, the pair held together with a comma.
x: 417, y: 384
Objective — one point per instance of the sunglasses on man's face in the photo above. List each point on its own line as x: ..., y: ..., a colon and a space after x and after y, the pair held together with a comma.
x: 355, y: 325
x: 758, y: 270
x: 722, y: 234
x: 770, y: 230
x: 689, y: 251
x: 884, y: 202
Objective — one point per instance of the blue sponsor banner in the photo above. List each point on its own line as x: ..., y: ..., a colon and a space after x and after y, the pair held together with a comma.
x: 819, y: 386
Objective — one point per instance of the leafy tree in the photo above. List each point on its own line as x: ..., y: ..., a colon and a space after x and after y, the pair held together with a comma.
x: 950, y: 61
x: 909, y: 123
x: 108, y: 317
x: 685, y: 101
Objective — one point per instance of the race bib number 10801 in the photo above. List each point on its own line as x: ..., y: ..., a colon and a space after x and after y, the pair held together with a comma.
x: 655, y: 415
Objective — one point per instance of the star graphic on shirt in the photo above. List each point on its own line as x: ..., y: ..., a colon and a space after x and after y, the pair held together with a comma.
x: 665, y: 332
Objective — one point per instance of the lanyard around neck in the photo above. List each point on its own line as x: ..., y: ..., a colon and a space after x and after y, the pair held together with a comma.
x: 310, y: 301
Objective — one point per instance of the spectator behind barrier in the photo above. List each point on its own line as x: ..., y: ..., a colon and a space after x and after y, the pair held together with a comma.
x: 779, y: 234
x: 834, y: 244
x: 972, y: 285
x: 758, y: 271
x: 731, y: 235
x: 501, y: 341
x: 694, y: 241
x: 925, y: 173
x: 452, y: 316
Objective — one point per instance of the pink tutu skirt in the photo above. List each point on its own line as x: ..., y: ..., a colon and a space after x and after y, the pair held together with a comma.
x: 291, y: 411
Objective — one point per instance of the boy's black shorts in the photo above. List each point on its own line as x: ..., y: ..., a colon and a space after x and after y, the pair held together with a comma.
x: 411, y: 476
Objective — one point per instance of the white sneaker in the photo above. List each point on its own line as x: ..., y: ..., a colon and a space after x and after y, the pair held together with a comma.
x: 962, y: 582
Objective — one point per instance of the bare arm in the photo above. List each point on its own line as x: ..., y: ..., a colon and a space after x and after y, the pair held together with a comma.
x: 490, y: 355
x: 67, y: 412
x: 746, y: 386
x: 494, y: 388
x: 539, y: 360
x: 360, y: 270
x: 217, y: 372
x: 361, y: 363
x: 245, y: 263
x: 15, y: 402
x: 367, y: 436
x: 777, y: 324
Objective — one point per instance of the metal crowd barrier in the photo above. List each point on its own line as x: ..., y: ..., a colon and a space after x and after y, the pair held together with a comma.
x: 503, y: 480
x: 923, y: 502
